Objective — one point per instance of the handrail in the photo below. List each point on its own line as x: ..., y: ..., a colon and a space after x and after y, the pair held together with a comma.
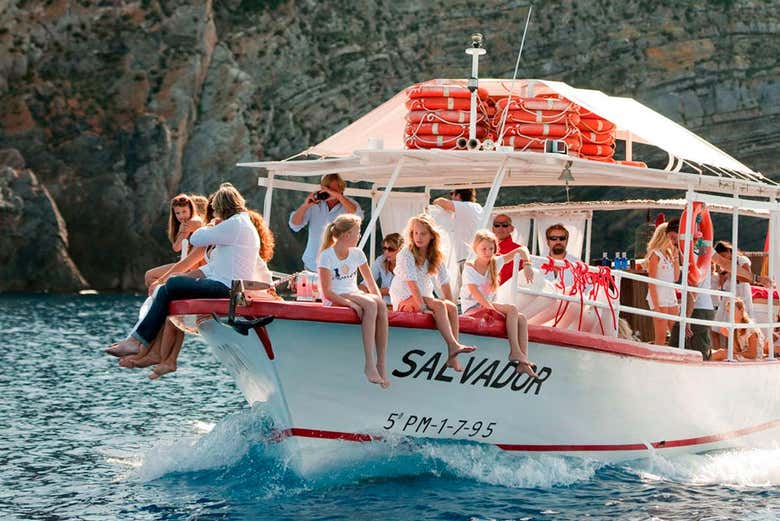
x: 617, y: 275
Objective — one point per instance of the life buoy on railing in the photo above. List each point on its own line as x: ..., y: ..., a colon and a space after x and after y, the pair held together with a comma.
x: 701, y: 246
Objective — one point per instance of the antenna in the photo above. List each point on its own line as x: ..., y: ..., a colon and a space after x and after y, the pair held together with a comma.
x: 475, y: 51
x: 514, y: 77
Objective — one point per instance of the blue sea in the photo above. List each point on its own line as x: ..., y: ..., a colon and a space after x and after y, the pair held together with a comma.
x: 81, y: 438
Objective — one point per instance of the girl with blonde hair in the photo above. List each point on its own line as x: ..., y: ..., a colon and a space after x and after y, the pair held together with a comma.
x: 338, y: 265
x: 663, y: 263
x: 749, y: 343
x: 417, y: 264
x: 478, y: 293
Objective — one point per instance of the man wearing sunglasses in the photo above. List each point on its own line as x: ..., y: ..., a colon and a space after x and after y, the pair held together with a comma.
x: 557, y: 237
x: 502, y: 229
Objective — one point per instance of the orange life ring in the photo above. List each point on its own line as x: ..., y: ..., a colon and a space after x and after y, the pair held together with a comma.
x: 442, y: 129
x: 597, y: 150
x: 598, y: 138
x: 428, y: 141
x: 638, y: 164
x: 595, y: 124
x: 537, y: 143
x: 534, y: 104
x: 441, y: 116
x: 602, y: 159
x: 537, y: 116
x: 438, y: 103
x: 701, y: 247
x: 536, y: 130
x: 443, y: 91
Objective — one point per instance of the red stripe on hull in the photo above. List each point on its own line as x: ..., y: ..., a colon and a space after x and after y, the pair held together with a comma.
x: 686, y: 442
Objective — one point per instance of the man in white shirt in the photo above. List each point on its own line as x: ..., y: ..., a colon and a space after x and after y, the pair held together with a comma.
x: 319, y: 209
x: 468, y: 212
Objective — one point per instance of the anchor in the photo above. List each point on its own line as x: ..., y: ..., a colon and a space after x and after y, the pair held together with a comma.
x: 241, y: 325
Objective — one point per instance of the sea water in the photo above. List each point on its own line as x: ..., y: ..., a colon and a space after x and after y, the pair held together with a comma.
x: 81, y: 438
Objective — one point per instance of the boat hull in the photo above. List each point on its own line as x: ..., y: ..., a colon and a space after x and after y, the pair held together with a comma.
x: 586, y: 400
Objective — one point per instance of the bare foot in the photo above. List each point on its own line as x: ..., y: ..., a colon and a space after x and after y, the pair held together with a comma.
x: 131, y: 361
x: 160, y: 370
x: 146, y: 361
x: 128, y: 346
x: 452, y: 360
x: 524, y: 366
x: 128, y: 362
x: 373, y: 376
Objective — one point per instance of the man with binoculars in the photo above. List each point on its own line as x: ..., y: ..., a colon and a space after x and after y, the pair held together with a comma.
x: 319, y: 209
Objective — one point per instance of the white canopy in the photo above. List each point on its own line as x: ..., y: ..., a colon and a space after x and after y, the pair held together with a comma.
x: 633, y: 120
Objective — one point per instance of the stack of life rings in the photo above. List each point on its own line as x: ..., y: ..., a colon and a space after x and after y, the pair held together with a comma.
x: 532, y: 121
x: 597, y: 136
x: 439, y: 115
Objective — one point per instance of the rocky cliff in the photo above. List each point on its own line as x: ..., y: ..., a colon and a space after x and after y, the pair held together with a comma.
x: 115, y: 106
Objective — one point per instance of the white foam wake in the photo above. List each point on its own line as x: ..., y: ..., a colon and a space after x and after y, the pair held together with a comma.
x: 739, y: 468
x: 209, y: 446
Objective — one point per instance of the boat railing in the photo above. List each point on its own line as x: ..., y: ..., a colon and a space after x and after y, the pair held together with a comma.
x: 617, y: 308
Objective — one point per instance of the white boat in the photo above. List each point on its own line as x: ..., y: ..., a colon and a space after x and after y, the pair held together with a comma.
x: 596, y: 395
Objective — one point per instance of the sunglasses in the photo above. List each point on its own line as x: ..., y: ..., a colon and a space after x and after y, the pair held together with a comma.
x: 389, y: 248
x: 557, y: 238
x: 501, y: 225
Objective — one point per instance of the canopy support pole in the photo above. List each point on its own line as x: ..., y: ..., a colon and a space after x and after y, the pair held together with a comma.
x: 372, y: 246
x: 629, y: 147
x: 382, y: 201
x: 588, y: 236
x: 733, y: 276
x: 771, y: 231
x: 493, y: 194
x: 687, y: 235
x: 269, y: 190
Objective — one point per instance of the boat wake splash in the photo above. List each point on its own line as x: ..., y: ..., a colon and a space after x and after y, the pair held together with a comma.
x: 242, y: 451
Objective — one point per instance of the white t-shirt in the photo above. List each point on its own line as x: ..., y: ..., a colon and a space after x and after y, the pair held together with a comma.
x: 472, y: 276
x: 703, y: 300
x: 262, y: 273
x: 568, y: 276
x: 467, y: 217
x: 382, y: 277
x: 343, y: 272
x: 235, y: 254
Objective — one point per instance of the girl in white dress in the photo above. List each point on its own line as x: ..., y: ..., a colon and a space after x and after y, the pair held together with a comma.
x: 663, y: 264
x: 478, y: 293
x: 418, y: 262
x: 749, y: 343
x: 338, y: 264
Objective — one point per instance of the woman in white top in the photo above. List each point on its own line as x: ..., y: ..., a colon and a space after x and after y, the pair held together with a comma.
x: 418, y: 262
x: 749, y: 343
x: 383, y: 269
x: 663, y: 263
x: 234, y: 257
x: 478, y: 293
x: 338, y: 265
